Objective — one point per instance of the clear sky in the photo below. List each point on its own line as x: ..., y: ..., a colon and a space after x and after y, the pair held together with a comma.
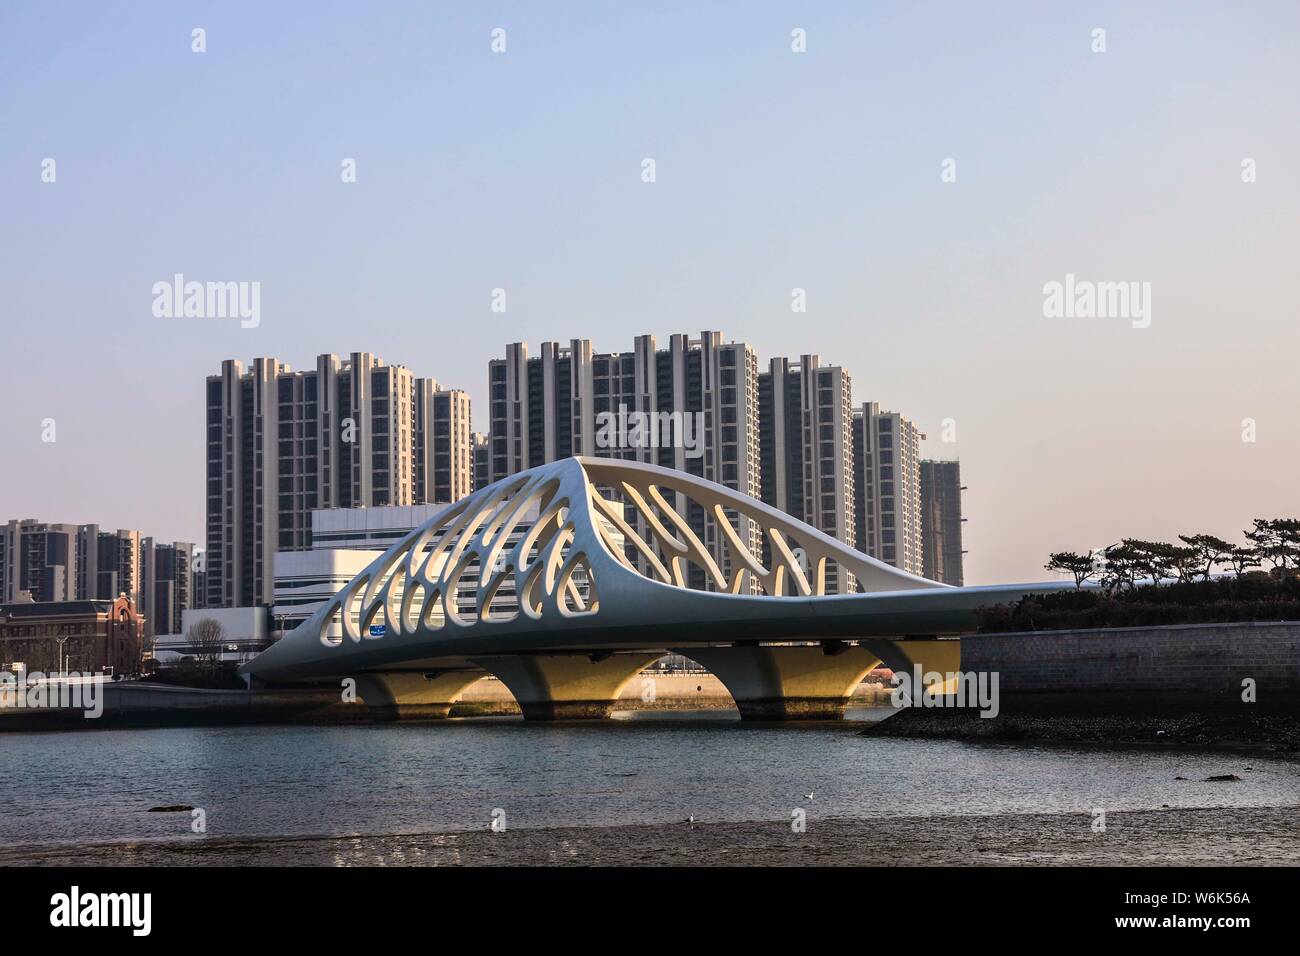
x: 775, y: 170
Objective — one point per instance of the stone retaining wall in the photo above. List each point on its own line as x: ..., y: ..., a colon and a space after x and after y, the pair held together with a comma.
x: 1185, y: 658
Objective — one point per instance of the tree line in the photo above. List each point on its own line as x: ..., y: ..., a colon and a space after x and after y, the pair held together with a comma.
x: 1272, y: 543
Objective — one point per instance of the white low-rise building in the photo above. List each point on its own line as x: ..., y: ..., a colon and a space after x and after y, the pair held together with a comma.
x: 306, y: 579
x: 374, y: 529
x: 245, y: 631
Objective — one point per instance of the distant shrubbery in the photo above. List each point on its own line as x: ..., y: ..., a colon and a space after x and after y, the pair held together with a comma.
x: 1253, y: 596
x: 222, y: 676
x: 1133, y: 586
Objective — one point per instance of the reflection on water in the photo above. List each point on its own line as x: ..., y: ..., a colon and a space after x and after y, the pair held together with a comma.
x: 92, y: 786
x: 856, y: 714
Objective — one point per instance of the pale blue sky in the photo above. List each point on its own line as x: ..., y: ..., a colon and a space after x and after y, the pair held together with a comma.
x: 775, y: 170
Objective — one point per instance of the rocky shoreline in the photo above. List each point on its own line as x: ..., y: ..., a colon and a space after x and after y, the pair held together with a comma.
x: 1273, y: 732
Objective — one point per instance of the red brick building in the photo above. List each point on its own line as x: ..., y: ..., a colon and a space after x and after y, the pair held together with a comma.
x: 82, y: 636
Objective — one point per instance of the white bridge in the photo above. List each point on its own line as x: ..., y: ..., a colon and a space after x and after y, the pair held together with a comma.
x: 568, y: 579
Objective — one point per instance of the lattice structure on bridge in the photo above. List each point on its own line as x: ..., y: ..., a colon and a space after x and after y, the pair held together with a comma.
x: 555, y: 541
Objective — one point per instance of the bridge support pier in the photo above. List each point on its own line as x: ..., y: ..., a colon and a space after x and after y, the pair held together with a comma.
x: 783, y: 682
x: 566, y: 686
x: 930, y: 654
x: 407, y: 694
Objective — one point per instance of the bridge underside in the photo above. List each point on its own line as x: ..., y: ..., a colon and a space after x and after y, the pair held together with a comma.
x: 407, y: 694
x: 808, y: 681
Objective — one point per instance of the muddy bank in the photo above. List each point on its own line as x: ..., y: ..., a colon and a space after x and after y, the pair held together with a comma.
x: 1238, y: 729
x: 1232, y: 837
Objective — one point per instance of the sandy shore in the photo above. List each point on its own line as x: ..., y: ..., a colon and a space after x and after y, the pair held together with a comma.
x: 1221, y: 837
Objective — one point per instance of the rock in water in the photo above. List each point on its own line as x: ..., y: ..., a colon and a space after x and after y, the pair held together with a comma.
x: 1222, y: 776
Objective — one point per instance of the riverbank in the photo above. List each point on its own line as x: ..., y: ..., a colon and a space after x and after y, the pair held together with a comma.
x: 1267, y: 836
x: 1240, y: 729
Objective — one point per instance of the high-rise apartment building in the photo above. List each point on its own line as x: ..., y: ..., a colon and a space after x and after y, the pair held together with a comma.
x: 343, y: 435
x: 806, y: 442
x: 444, y: 451
x: 941, y: 521
x: 199, y: 592
x: 170, y: 585
x: 67, y: 562
x: 540, y: 407
x: 120, y: 566
x: 694, y: 407
x: 887, y: 487
x: 791, y: 436
x: 567, y: 401
x: 45, y: 560
x: 482, y: 460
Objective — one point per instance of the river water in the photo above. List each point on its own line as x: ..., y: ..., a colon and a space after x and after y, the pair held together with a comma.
x: 91, y: 787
